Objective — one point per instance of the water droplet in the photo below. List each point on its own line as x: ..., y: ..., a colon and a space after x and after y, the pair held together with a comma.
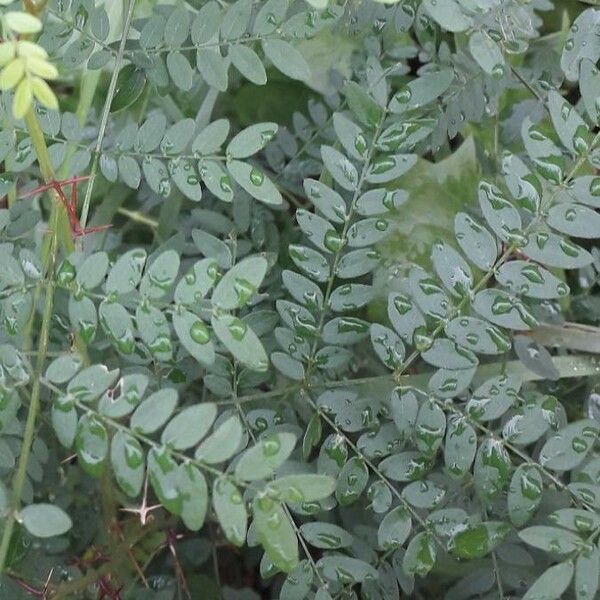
x: 333, y: 241
x: 164, y: 187
x: 256, y: 177
x: 271, y: 445
x: 569, y: 248
x: 66, y: 272
x: 199, y: 332
x: 403, y: 96
x: 225, y: 184
x: 244, y: 290
x: 238, y: 329
x: 579, y: 445
x: 360, y: 144
x: 498, y: 71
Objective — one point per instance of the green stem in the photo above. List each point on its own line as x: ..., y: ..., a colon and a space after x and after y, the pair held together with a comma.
x: 60, y: 230
x: 58, y: 214
x: 112, y: 87
x: 34, y: 408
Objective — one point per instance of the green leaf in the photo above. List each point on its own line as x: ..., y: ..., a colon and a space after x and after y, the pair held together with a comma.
x: 241, y: 341
x: 286, y: 59
x: 194, y: 492
x: 230, y: 510
x: 64, y: 420
x: 197, y: 282
x: 186, y: 179
x: 580, y: 43
x: 91, y: 443
x: 265, y: 457
x: 129, y: 171
x: 504, y: 309
x: 236, y: 19
x: 247, y: 62
x: 528, y: 279
x: 422, y: 91
x: 394, y: 529
x: 550, y: 539
x: 478, y: 335
x: 45, y: 520
x: 589, y: 86
x: 492, y: 469
x: 304, y: 488
x: 366, y: 110
x: 310, y: 262
x: 154, y: 411
x: 160, y: 275
x: 460, y: 446
x: 552, y: 584
x: 128, y: 461
x: 180, y: 70
x: 574, y: 219
x: 276, y: 533
x: 499, y: 212
x: 90, y: 383
x: 448, y: 14
x: 569, y: 446
x: 352, y: 481
x: 251, y: 140
x: 555, y: 250
x: 222, y: 443
x: 212, y: 137
x: 524, y: 494
x: 131, y: 82
x: 194, y: 335
x: 240, y: 283
x: 587, y: 571
x: 325, y: 535
x: 177, y: 27
x: 189, y: 426
x: 91, y: 272
x: 340, y: 167
x: 476, y: 241
x: 163, y: 475
x: 63, y: 368
x: 348, y: 570
x: 476, y: 541
x: 487, y: 53
x: 177, y: 137
x: 126, y: 274
x: 571, y: 129
x: 255, y: 182
x: 213, y: 68
x: 420, y: 555
x: 387, y: 345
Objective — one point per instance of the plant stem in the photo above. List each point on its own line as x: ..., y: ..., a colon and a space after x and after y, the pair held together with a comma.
x: 112, y: 87
x: 34, y: 407
x: 60, y: 230
x: 58, y: 213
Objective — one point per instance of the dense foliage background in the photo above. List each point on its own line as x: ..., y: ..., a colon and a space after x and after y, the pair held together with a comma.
x: 299, y: 299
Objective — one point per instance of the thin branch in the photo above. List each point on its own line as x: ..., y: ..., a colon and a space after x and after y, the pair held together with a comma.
x: 105, y: 112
